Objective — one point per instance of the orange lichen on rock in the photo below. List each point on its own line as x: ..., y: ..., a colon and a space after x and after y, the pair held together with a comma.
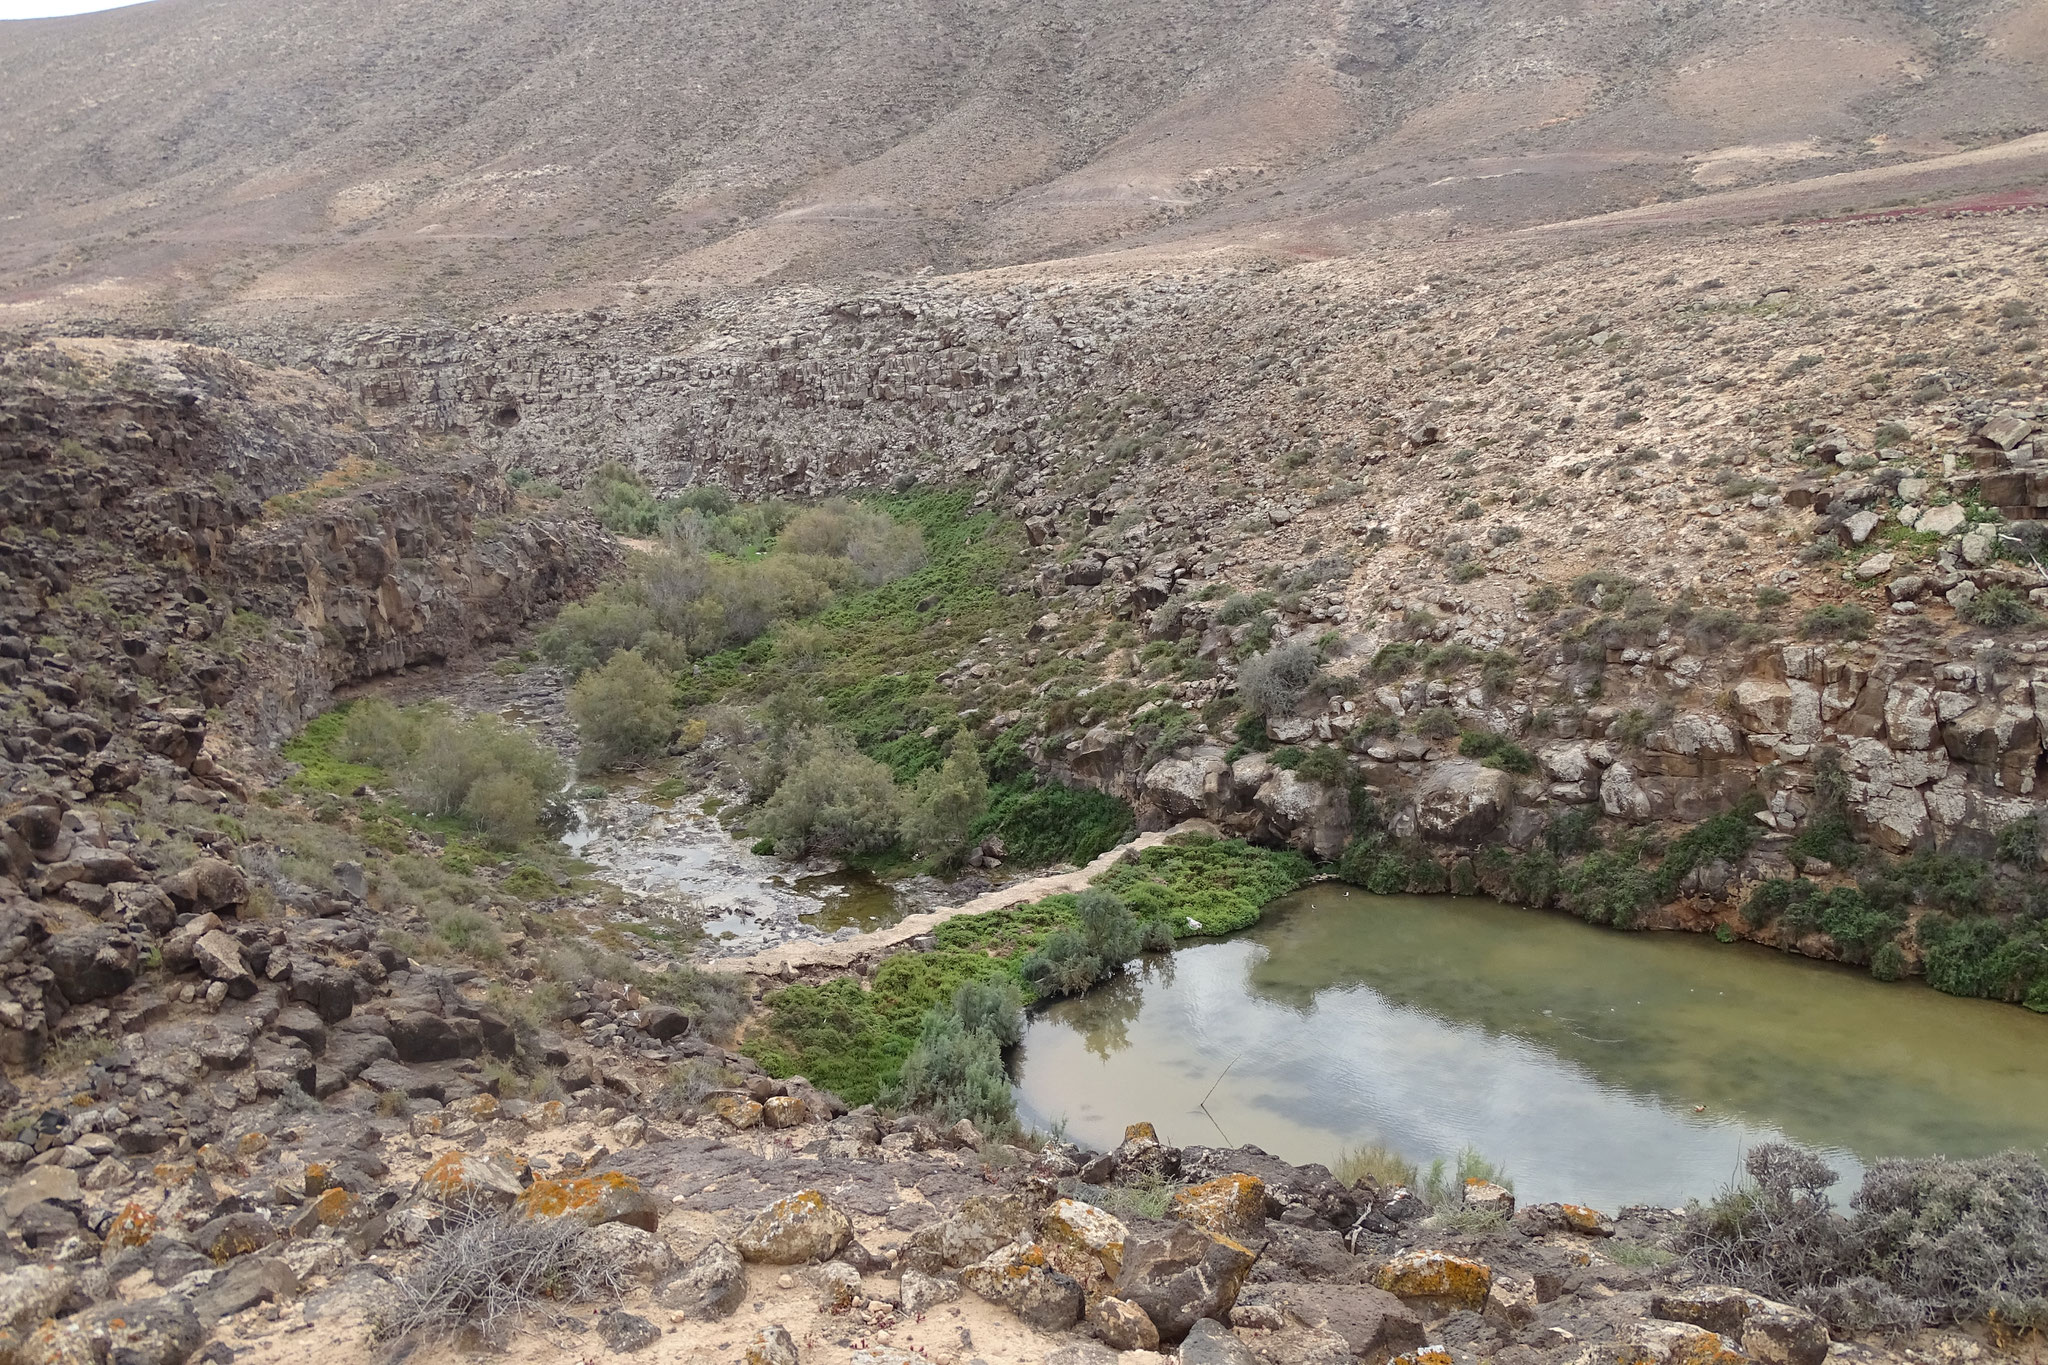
x: 1449, y: 1282
x: 133, y: 1226
x: 1234, y: 1205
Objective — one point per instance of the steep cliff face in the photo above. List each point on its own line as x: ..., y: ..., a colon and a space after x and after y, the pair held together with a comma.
x: 181, y: 528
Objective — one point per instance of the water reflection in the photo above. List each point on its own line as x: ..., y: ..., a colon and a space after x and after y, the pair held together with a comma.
x: 1602, y: 1067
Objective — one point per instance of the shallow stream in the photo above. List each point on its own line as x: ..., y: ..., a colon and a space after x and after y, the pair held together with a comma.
x: 1597, y: 1067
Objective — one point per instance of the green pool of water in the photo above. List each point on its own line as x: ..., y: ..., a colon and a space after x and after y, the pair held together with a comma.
x: 1598, y: 1067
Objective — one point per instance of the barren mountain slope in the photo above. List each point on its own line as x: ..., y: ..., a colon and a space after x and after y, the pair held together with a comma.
x: 396, y: 156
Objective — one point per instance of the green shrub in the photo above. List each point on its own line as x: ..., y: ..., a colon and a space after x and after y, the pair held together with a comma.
x: 833, y: 800
x: 623, y: 712
x: 1324, y: 765
x: 1826, y: 837
x: 1608, y: 886
x: 1998, y: 608
x: 1396, y: 658
x: 994, y: 1007
x: 1496, y: 751
x: 1045, y: 822
x: 1063, y: 965
x: 1837, y: 621
x: 1975, y: 955
x: 1197, y: 885
x: 954, y: 1072
x: 1721, y: 838
x: 1436, y: 722
x: 944, y: 805
x: 504, y: 807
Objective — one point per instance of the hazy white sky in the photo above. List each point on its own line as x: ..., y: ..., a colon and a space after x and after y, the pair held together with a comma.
x: 42, y: 9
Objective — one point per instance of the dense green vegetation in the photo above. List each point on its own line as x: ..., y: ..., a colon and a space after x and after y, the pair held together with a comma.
x: 856, y: 1041
x: 474, y: 774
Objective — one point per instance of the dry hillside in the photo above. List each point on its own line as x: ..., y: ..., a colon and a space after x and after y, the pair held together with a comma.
x: 394, y: 157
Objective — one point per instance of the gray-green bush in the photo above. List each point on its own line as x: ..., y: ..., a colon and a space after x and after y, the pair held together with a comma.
x: 623, y: 712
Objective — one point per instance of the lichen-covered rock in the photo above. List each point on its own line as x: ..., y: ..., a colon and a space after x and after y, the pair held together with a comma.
x: 782, y: 1111
x: 1773, y: 1332
x: 1021, y: 1278
x: 982, y: 1224
x: 1672, y: 1343
x: 712, y: 1286
x: 1233, y: 1205
x: 1486, y: 1197
x: 1537, y: 1219
x: 1778, y: 1334
x: 797, y: 1228
x: 234, y: 1234
x: 1437, y: 1282
x: 1180, y: 1278
x: 159, y: 1331
x: 1082, y: 1230
x: 32, y: 1293
x: 639, y: 1254
x: 919, y: 1292
x: 770, y: 1346
x: 1142, y: 1154
x: 465, y: 1180
x: 1122, y: 1326
x: 608, y: 1197
x: 739, y: 1112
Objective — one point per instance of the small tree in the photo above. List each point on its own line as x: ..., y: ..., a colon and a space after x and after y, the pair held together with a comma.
x: 623, y: 712
x: 833, y: 799
x: 944, y: 804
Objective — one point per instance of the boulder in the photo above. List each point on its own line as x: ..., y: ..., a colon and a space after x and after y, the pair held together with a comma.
x: 467, y: 1180
x: 712, y: 1286
x: 1372, y: 1322
x: 1232, y: 1205
x: 1460, y: 802
x: 770, y: 1346
x: 1487, y: 1197
x: 1142, y: 1155
x: 982, y: 1224
x: 1436, y: 1282
x: 250, y: 1281
x: 1080, y: 1230
x: 797, y: 1228
x: 1209, y: 1342
x: 55, y: 1183
x: 782, y: 1111
x: 159, y: 1331
x: 919, y: 1292
x: 232, y: 1235
x: 607, y: 1197
x: 210, y: 885
x: 34, y: 1292
x: 329, y: 991
x: 625, y: 1332
x: 644, y: 1258
x: 422, y: 1036
x: 1182, y: 1277
x: 218, y: 955
x: 1020, y: 1277
x: 92, y: 964
x: 1122, y: 1326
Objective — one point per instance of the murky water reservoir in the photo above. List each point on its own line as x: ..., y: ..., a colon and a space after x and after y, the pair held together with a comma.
x: 1598, y: 1067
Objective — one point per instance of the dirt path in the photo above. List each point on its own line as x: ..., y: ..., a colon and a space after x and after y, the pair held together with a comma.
x: 797, y: 956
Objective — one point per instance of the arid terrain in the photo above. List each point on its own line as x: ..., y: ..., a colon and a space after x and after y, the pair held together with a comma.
x: 1591, y: 454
